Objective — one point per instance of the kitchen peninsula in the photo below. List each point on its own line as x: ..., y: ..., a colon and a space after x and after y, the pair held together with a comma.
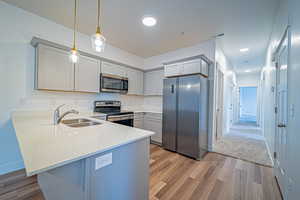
x: 100, y: 161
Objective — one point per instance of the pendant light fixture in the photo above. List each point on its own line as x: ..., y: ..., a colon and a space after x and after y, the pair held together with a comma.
x: 74, y: 54
x: 98, y: 40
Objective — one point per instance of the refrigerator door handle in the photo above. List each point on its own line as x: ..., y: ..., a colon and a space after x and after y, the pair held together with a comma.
x: 172, y: 89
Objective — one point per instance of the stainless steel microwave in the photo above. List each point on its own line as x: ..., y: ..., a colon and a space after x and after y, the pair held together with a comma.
x: 113, y: 83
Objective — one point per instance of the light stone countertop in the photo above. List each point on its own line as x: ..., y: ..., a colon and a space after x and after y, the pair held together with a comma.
x: 45, y: 146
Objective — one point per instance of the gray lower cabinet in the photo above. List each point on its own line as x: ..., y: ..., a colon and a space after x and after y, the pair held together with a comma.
x: 152, y: 122
x: 126, y: 178
x: 138, y: 121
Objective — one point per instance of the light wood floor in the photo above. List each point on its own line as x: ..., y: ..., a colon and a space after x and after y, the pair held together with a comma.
x: 176, y: 177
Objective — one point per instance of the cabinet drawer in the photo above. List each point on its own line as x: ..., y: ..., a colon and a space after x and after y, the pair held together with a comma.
x: 153, y: 116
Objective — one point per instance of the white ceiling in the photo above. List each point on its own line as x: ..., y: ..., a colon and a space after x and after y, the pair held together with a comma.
x: 181, y: 23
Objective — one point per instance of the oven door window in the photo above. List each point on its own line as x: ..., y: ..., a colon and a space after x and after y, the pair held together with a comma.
x: 111, y: 83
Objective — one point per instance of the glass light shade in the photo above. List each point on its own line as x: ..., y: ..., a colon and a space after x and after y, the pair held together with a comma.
x: 74, y: 56
x: 98, y: 42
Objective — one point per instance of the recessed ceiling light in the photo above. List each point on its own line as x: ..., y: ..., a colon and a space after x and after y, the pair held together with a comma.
x: 244, y: 50
x: 149, y: 21
x: 247, y: 71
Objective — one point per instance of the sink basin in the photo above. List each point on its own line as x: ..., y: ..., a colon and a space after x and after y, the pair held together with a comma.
x: 78, y: 123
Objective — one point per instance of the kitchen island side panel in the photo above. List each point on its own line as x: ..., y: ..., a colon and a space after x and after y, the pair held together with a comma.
x: 126, y: 178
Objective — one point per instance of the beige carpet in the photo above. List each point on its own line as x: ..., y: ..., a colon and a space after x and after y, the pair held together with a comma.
x: 243, y: 144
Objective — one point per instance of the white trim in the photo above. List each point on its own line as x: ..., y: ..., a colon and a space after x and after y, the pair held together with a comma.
x: 269, y: 153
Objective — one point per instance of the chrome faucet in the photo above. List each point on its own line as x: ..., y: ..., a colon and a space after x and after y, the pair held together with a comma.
x: 58, y: 117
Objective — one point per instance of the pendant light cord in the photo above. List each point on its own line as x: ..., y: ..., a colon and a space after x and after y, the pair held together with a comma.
x: 75, y: 17
x: 99, y: 14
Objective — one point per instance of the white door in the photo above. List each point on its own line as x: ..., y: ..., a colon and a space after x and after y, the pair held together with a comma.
x: 282, y: 115
x: 220, y: 104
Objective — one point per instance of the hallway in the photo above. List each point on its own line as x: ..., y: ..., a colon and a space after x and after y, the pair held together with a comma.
x: 244, y: 142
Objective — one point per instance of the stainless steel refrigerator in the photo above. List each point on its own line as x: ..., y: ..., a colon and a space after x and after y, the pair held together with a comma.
x: 185, y: 115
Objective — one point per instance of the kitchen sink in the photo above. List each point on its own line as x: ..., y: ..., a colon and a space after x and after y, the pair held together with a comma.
x: 78, y: 123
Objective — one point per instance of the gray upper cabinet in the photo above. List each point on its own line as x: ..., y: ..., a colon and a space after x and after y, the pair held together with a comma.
x: 135, y: 81
x: 113, y: 69
x: 87, y: 75
x: 173, y: 69
x: 191, y: 67
x: 54, y: 70
x: 195, y: 66
x: 153, y: 82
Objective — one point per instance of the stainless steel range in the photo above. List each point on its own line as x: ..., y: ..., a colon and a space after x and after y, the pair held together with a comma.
x: 112, y: 109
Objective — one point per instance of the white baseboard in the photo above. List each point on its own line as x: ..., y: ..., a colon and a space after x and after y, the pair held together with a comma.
x: 269, y: 152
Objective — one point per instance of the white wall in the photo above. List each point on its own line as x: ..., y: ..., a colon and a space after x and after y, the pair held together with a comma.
x: 17, y: 74
x: 251, y: 79
x: 268, y: 77
x: 293, y: 139
x: 207, y: 48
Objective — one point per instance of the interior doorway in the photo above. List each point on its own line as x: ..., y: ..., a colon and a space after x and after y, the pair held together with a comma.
x: 237, y: 122
x: 248, y: 105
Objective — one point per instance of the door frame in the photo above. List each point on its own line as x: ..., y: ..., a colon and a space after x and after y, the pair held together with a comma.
x: 219, y: 103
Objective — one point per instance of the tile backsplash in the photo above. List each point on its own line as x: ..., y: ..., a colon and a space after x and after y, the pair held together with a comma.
x: 45, y: 100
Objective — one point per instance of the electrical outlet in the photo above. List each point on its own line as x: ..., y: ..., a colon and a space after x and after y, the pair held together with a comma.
x: 103, y: 161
